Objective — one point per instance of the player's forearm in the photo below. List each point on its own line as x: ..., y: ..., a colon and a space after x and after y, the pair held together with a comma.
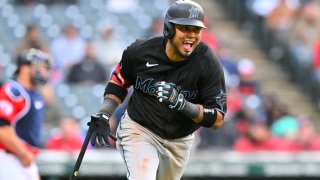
x: 114, y: 95
x: 109, y: 105
x: 207, y: 117
x: 192, y: 111
x: 10, y: 140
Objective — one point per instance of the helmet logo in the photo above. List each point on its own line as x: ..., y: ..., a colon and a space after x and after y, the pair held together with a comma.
x: 194, y: 12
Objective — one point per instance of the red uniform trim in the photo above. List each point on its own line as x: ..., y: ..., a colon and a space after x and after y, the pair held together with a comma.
x: 118, y: 78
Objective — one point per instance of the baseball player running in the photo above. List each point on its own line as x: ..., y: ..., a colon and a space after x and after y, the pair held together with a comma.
x: 21, y: 116
x: 178, y: 87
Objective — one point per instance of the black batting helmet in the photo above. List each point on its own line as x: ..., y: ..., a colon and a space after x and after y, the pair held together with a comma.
x: 184, y: 13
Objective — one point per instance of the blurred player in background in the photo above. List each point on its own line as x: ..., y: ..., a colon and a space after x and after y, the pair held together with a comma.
x: 178, y: 85
x: 21, y: 116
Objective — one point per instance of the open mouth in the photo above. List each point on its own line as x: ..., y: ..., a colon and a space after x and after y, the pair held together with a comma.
x: 187, y: 45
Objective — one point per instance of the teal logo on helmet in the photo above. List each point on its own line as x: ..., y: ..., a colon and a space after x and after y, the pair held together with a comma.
x: 194, y: 13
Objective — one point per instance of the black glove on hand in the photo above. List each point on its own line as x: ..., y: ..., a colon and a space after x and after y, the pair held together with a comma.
x: 101, y: 129
x: 167, y: 93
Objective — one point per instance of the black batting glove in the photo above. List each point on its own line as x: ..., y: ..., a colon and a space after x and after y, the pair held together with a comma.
x: 168, y: 94
x: 101, y: 129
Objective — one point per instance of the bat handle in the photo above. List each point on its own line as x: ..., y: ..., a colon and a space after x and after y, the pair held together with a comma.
x: 112, y: 137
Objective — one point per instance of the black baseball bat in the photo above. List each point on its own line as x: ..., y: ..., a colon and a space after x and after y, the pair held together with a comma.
x: 76, y: 168
x: 75, y: 172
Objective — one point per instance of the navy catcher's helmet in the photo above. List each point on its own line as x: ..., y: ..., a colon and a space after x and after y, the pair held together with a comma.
x: 33, y: 57
x: 184, y: 13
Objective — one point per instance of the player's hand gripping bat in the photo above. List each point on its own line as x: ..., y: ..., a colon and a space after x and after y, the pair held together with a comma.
x: 100, y: 128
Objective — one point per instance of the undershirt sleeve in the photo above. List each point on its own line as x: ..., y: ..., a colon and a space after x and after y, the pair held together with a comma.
x: 4, y: 122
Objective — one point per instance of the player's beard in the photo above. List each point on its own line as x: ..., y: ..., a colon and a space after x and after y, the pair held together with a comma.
x: 177, y: 51
x: 38, y: 79
x: 33, y: 81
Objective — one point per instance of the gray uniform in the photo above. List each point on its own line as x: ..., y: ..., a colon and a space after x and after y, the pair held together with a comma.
x: 148, y: 156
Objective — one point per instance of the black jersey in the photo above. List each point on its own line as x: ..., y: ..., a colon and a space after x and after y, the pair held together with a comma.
x: 199, y: 78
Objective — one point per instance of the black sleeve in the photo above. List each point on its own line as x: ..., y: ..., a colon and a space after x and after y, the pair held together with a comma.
x: 125, y: 69
x: 128, y: 60
x: 4, y: 122
x: 213, y: 90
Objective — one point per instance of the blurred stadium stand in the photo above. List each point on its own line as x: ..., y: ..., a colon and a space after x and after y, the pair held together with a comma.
x: 277, y: 72
x: 226, y: 17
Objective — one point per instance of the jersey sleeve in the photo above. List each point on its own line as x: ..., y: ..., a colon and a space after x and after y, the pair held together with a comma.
x: 123, y: 73
x: 13, y: 103
x: 212, y: 86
